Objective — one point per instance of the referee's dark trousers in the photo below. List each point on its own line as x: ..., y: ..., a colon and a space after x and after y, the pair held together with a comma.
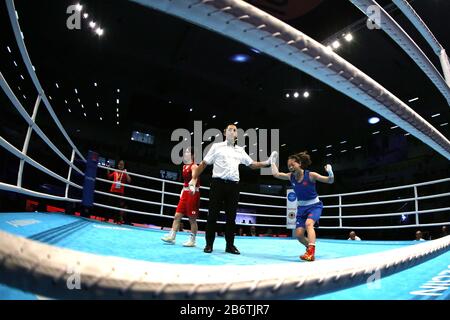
x: 223, y: 194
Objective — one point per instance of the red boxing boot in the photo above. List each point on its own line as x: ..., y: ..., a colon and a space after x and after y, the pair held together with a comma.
x: 309, y: 254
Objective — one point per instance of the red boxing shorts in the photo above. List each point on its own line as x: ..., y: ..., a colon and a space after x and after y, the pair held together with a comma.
x: 189, y: 204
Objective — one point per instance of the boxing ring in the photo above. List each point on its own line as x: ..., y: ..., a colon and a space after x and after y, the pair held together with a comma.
x: 51, y: 255
x: 132, y: 263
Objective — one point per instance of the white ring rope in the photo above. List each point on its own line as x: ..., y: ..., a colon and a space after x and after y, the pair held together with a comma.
x: 380, y: 215
x: 179, y: 183
x: 44, y: 269
x: 140, y: 175
x: 283, y: 42
x: 21, y: 190
x: 421, y: 184
x: 440, y: 195
x: 393, y: 29
x: 5, y: 144
x: 136, y: 187
x: 283, y: 216
x: 415, y: 19
x: 26, y: 59
x: 302, y: 43
x: 171, y: 217
x: 425, y: 225
x: 32, y: 124
x: 173, y: 206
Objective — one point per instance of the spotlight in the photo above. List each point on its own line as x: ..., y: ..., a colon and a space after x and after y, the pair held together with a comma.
x: 296, y: 94
x: 336, y: 44
x: 85, y: 15
x: 99, y: 31
x: 374, y: 120
x: 79, y: 7
x: 240, y: 58
x: 287, y: 95
x: 92, y: 24
x: 348, y: 37
x: 306, y: 94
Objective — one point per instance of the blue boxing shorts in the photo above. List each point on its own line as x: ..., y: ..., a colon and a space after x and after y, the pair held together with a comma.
x: 312, y: 211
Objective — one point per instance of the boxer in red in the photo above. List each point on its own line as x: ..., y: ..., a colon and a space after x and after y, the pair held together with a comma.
x: 188, y: 205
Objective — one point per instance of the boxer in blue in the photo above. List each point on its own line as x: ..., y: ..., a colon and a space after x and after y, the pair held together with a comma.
x: 309, y: 206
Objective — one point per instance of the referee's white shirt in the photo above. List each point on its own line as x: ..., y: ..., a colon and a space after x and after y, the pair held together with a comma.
x: 226, y: 159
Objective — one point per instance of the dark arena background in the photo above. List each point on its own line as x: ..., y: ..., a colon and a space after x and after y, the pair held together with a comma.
x: 101, y: 98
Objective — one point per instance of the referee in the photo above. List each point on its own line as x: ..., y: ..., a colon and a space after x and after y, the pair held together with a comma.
x: 226, y: 157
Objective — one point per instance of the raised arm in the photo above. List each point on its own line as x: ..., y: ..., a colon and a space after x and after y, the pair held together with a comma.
x: 263, y: 164
x: 258, y: 165
x: 197, y: 170
x: 314, y: 176
x: 280, y: 175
